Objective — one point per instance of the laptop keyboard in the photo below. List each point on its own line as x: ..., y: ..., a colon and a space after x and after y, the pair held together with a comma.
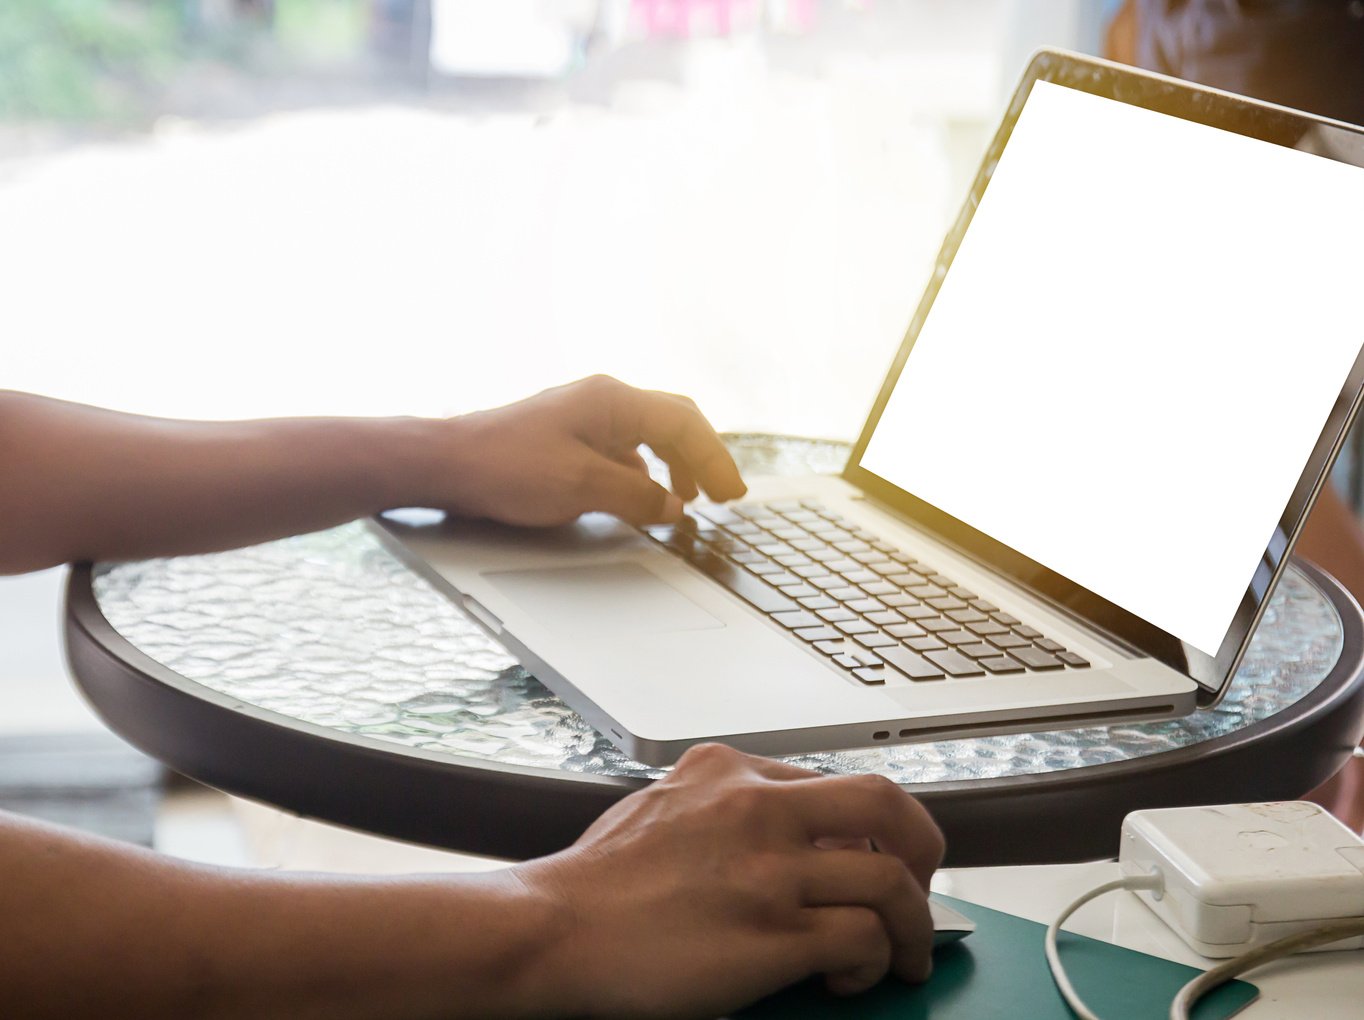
x: 874, y: 611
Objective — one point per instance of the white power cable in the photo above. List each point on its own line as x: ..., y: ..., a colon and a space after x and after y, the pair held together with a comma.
x: 1152, y: 881
x: 1333, y: 931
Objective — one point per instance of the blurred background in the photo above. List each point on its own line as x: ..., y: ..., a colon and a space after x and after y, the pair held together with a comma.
x: 232, y: 208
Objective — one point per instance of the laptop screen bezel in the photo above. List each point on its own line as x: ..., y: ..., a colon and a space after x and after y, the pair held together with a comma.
x: 1280, y: 126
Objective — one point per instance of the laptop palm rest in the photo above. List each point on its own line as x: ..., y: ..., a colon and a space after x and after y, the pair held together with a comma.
x: 602, y: 599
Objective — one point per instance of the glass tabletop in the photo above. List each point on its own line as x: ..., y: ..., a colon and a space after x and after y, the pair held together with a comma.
x: 331, y: 629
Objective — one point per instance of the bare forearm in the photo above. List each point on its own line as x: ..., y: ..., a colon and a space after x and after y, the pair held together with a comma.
x: 81, y: 483
x: 94, y: 928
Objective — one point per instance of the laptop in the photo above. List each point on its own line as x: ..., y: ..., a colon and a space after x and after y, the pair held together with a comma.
x: 1130, y: 373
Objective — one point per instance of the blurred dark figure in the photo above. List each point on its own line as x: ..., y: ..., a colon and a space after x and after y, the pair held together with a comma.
x: 1307, y: 54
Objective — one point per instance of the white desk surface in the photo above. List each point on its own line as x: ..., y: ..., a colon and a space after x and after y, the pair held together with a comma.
x: 1319, y: 986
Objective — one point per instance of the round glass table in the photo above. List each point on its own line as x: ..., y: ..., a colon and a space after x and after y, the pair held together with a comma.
x: 320, y: 675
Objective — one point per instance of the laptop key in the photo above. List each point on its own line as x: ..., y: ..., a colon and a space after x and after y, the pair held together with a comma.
x: 798, y: 591
x: 912, y: 612
x: 806, y: 545
x: 764, y: 568
x: 1048, y: 645
x: 1001, y: 664
x: 898, y: 600
x: 813, y: 634
x: 905, y: 630
x: 953, y: 663
x: 823, y: 555
x: 859, y: 576
x: 979, y: 651
x: 966, y: 615
x: 855, y: 627
x: 1071, y: 659
x: 1007, y: 640
x: 817, y: 602
x: 875, y: 640
x: 799, y: 618
x: 1005, y: 618
x: 851, y: 545
x: 721, y: 515
x: 866, y: 605
x: 945, y: 602
x: 838, y: 647
x: 847, y: 594
x: 836, y: 615
x: 906, y: 580
x: 810, y: 570
x: 957, y: 637
x: 911, y: 664
x: 1031, y: 633
x: 757, y: 593
x: 867, y: 558
x: 847, y: 661
x: 1035, y: 658
x: 782, y: 579
x: 935, y: 624
x: 794, y: 560
x: 870, y: 675
x: 879, y: 588
x: 885, y: 567
x: 826, y: 581
x: 927, y: 643
x: 885, y: 618
x: 987, y: 628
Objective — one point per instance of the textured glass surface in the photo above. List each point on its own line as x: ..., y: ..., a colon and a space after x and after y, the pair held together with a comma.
x: 331, y: 629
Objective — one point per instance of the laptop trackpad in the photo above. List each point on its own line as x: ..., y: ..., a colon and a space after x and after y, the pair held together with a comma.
x: 602, y: 598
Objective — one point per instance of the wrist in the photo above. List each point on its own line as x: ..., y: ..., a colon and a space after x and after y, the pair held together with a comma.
x: 406, y: 461
x: 558, y: 979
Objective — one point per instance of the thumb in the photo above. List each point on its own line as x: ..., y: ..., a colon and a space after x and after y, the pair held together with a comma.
x: 630, y: 494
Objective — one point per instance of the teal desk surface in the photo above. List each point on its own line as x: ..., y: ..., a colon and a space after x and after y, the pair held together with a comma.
x: 1000, y: 973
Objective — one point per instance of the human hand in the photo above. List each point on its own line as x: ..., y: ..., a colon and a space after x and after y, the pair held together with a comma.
x: 712, y: 888
x: 573, y: 449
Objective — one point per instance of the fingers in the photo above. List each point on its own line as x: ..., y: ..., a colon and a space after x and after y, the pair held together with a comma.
x: 629, y: 494
x: 882, y: 883
x: 869, y: 807
x: 721, y: 758
x: 680, y: 434
x: 849, y: 945
x: 683, y: 483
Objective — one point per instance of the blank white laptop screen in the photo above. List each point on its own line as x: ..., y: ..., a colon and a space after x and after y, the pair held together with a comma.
x: 1133, y: 353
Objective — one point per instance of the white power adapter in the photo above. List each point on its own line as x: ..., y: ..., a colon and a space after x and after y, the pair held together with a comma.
x: 1238, y: 876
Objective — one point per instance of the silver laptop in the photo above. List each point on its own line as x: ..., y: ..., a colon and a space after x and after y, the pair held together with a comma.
x: 1120, y: 394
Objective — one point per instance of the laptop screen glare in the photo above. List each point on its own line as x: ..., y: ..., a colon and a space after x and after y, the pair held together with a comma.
x: 1133, y: 353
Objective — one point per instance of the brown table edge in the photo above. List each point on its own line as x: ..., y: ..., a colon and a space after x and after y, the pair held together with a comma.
x: 516, y: 811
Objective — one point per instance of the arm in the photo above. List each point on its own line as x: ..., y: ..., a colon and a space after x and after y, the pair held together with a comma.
x: 78, y: 483
x: 690, y: 898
